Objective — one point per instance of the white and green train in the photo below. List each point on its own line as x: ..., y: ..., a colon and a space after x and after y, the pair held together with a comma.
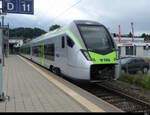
x: 82, y: 50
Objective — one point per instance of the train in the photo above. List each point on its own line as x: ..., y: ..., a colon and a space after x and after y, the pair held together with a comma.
x: 81, y: 50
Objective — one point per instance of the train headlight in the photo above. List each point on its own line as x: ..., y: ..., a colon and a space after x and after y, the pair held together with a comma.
x: 117, y: 55
x: 86, y: 54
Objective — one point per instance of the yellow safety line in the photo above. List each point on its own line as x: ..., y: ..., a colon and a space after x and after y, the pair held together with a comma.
x: 83, y: 101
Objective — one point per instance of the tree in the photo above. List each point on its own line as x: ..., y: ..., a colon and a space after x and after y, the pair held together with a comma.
x: 54, y: 27
x: 37, y: 32
x: 144, y: 35
x: 130, y: 34
x: 115, y: 35
x: 26, y: 32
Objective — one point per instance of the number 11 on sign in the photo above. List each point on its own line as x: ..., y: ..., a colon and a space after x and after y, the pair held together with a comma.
x: 26, y: 9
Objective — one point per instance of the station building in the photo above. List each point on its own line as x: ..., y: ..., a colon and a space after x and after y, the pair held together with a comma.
x: 136, y: 48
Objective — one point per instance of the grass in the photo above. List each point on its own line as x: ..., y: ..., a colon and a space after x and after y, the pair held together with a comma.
x: 137, y: 80
x: 147, y: 82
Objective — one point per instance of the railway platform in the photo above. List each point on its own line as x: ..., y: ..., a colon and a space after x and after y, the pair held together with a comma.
x: 31, y: 88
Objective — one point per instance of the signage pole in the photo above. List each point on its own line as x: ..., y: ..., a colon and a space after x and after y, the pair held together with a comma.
x: 1, y: 55
x: 3, y: 40
x: 8, y: 41
x: 1, y: 60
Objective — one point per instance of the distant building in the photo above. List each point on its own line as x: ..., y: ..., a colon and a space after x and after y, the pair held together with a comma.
x: 136, y: 48
x: 14, y: 44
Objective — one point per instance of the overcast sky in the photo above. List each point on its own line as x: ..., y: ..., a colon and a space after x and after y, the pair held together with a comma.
x: 111, y: 13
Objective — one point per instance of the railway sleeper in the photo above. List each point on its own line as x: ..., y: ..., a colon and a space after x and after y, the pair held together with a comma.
x: 102, y: 95
x: 114, y: 101
x: 130, y: 107
x: 135, y: 109
x: 109, y: 97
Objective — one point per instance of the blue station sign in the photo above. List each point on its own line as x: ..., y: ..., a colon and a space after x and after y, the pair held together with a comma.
x: 18, y: 6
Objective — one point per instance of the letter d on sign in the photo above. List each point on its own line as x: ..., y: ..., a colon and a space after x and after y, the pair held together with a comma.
x: 10, y: 6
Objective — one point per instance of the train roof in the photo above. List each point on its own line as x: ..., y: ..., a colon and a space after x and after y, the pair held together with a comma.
x: 62, y: 29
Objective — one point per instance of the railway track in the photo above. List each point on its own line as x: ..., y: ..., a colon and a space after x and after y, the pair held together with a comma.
x: 117, y: 98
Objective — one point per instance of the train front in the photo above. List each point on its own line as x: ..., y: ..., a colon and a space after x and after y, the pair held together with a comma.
x: 101, y: 51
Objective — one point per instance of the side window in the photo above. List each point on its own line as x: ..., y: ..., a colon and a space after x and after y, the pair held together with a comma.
x: 36, y: 51
x: 63, y: 42
x: 50, y: 52
x: 28, y: 50
x: 142, y: 61
x: 129, y: 50
x: 70, y: 42
x: 132, y: 61
x: 135, y: 61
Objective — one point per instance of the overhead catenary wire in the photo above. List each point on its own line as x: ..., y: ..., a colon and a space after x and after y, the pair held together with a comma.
x: 66, y: 10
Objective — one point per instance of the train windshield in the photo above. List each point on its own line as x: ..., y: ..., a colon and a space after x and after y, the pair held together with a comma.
x: 95, y: 37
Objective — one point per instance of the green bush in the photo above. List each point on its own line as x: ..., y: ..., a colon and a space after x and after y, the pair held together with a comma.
x: 147, y: 82
x: 126, y: 78
x: 138, y: 80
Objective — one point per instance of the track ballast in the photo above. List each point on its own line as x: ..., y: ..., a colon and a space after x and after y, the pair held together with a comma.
x: 117, y: 98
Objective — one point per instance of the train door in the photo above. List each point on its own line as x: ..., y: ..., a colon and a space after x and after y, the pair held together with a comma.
x: 30, y: 52
x: 70, y: 52
x: 42, y: 55
x: 62, y: 55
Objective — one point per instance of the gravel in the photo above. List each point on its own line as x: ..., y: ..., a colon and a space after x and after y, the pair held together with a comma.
x: 132, y: 90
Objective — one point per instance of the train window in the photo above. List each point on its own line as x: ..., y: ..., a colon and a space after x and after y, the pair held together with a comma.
x: 36, y: 50
x: 96, y: 37
x: 49, y: 52
x: 26, y: 50
x: 70, y: 42
x: 129, y: 50
x: 63, y: 42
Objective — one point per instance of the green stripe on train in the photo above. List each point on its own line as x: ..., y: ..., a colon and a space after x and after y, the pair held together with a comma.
x: 103, y: 59
x: 42, y: 55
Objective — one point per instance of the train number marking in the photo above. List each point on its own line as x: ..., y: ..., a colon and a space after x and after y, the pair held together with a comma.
x: 105, y: 60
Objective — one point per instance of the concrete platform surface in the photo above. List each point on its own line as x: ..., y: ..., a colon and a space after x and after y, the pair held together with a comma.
x: 33, y: 91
